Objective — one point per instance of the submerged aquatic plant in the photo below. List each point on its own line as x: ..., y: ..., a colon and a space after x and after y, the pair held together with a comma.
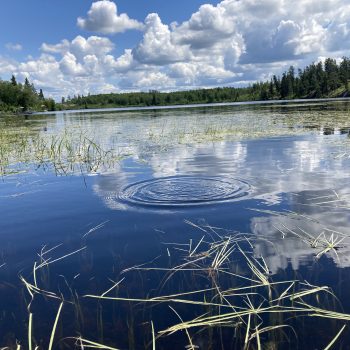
x: 241, y: 297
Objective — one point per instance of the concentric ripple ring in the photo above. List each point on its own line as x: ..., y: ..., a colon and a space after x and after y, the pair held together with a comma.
x: 184, y: 191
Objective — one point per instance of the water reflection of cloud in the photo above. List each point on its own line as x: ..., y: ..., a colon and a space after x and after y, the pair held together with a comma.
x: 293, y: 171
x: 204, y: 159
x: 162, y: 144
x: 273, y: 166
x: 280, y: 246
x: 183, y: 160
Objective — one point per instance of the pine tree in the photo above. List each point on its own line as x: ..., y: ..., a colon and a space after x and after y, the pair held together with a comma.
x: 271, y: 90
x: 41, y: 95
x: 13, y: 80
x: 27, y: 83
x: 344, y: 71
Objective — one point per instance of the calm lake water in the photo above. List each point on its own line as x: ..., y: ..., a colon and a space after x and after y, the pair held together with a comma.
x: 229, y: 222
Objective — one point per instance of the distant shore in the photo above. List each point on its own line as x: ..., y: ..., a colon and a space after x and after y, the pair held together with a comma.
x: 199, y: 105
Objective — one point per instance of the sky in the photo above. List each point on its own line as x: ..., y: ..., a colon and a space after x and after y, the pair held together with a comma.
x: 71, y: 47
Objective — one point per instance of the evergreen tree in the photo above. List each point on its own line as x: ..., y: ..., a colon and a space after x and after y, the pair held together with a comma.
x: 41, y: 95
x: 315, y: 80
x: 344, y: 71
x: 27, y: 83
x: 13, y: 80
x: 271, y: 89
x: 331, y: 69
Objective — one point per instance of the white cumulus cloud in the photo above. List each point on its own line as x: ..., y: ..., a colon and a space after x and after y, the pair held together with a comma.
x: 79, y: 46
x: 234, y: 42
x: 157, y: 46
x: 103, y: 18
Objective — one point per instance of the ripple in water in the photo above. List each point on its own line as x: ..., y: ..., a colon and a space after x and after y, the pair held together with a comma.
x: 184, y: 191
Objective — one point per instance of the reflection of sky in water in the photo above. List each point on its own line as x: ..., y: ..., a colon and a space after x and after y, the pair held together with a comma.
x: 279, y: 246
x: 288, y: 156
x: 277, y: 177
x: 284, y: 172
x: 272, y: 166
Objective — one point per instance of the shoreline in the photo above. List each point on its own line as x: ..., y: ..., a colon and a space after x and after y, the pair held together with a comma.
x: 186, y: 106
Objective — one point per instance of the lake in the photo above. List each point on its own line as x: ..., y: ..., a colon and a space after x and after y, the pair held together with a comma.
x: 217, y: 227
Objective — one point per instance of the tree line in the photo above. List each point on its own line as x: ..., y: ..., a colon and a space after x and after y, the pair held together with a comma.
x: 317, y: 80
x: 18, y: 97
x: 322, y: 79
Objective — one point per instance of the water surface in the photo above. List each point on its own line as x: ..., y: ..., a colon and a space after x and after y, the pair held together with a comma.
x: 155, y: 188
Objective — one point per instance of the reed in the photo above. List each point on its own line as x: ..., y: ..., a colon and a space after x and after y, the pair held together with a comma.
x: 249, y: 303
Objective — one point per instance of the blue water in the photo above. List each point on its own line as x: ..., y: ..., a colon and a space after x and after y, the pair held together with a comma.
x: 273, y: 176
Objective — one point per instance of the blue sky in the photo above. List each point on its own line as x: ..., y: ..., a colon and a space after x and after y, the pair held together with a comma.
x: 32, y: 22
x: 70, y: 47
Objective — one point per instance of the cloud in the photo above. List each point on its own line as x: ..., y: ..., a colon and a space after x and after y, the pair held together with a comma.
x: 122, y: 64
x: 157, y: 46
x: 234, y: 42
x: 7, y: 66
x: 13, y: 47
x: 205, y: 28
x: 61, y: 47
x: 69, y: 65
x: 80, y: 47
x: 103, y: 18
x: 154, y: 80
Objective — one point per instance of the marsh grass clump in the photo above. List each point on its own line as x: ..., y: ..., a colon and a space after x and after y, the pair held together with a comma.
x: 212, y: 292
x: 69, y: 152
x: 26, y: 145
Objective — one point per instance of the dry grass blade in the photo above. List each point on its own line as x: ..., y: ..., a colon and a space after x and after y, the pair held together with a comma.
x: 302, y: 294
x: 335, y: 338
x: 45, y: 263
x: 258, y: 332
x: 331, y: 243
x: 32, y: 289
x: 228, y: 318
x: 258, y: 342
x: 194, y: 225
x: 246, y: 339
x: 161, y: 299
x: 318, y: 312
x: 55, y: 326
x: 116, y: 284
x: 256, y: 269
x: 196, y: 247
x: 153, y: 337
x: 84, y: 343
x: 30, y: 326
x: 102, y: 224
x: 191, y: 346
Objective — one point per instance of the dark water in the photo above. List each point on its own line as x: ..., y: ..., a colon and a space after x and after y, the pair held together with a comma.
x: 209, y: 192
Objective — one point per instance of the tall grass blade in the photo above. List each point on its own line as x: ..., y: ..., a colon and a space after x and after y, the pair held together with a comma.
x: 55, y: 326
x: 335, y: 338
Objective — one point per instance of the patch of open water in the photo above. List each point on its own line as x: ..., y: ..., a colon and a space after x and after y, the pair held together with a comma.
x: 207, y: 211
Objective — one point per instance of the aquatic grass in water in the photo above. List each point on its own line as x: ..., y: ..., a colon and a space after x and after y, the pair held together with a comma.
x: 67, y: 153
x: 132, y: 276
x: 75, y: 149
x: 254, y: 308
